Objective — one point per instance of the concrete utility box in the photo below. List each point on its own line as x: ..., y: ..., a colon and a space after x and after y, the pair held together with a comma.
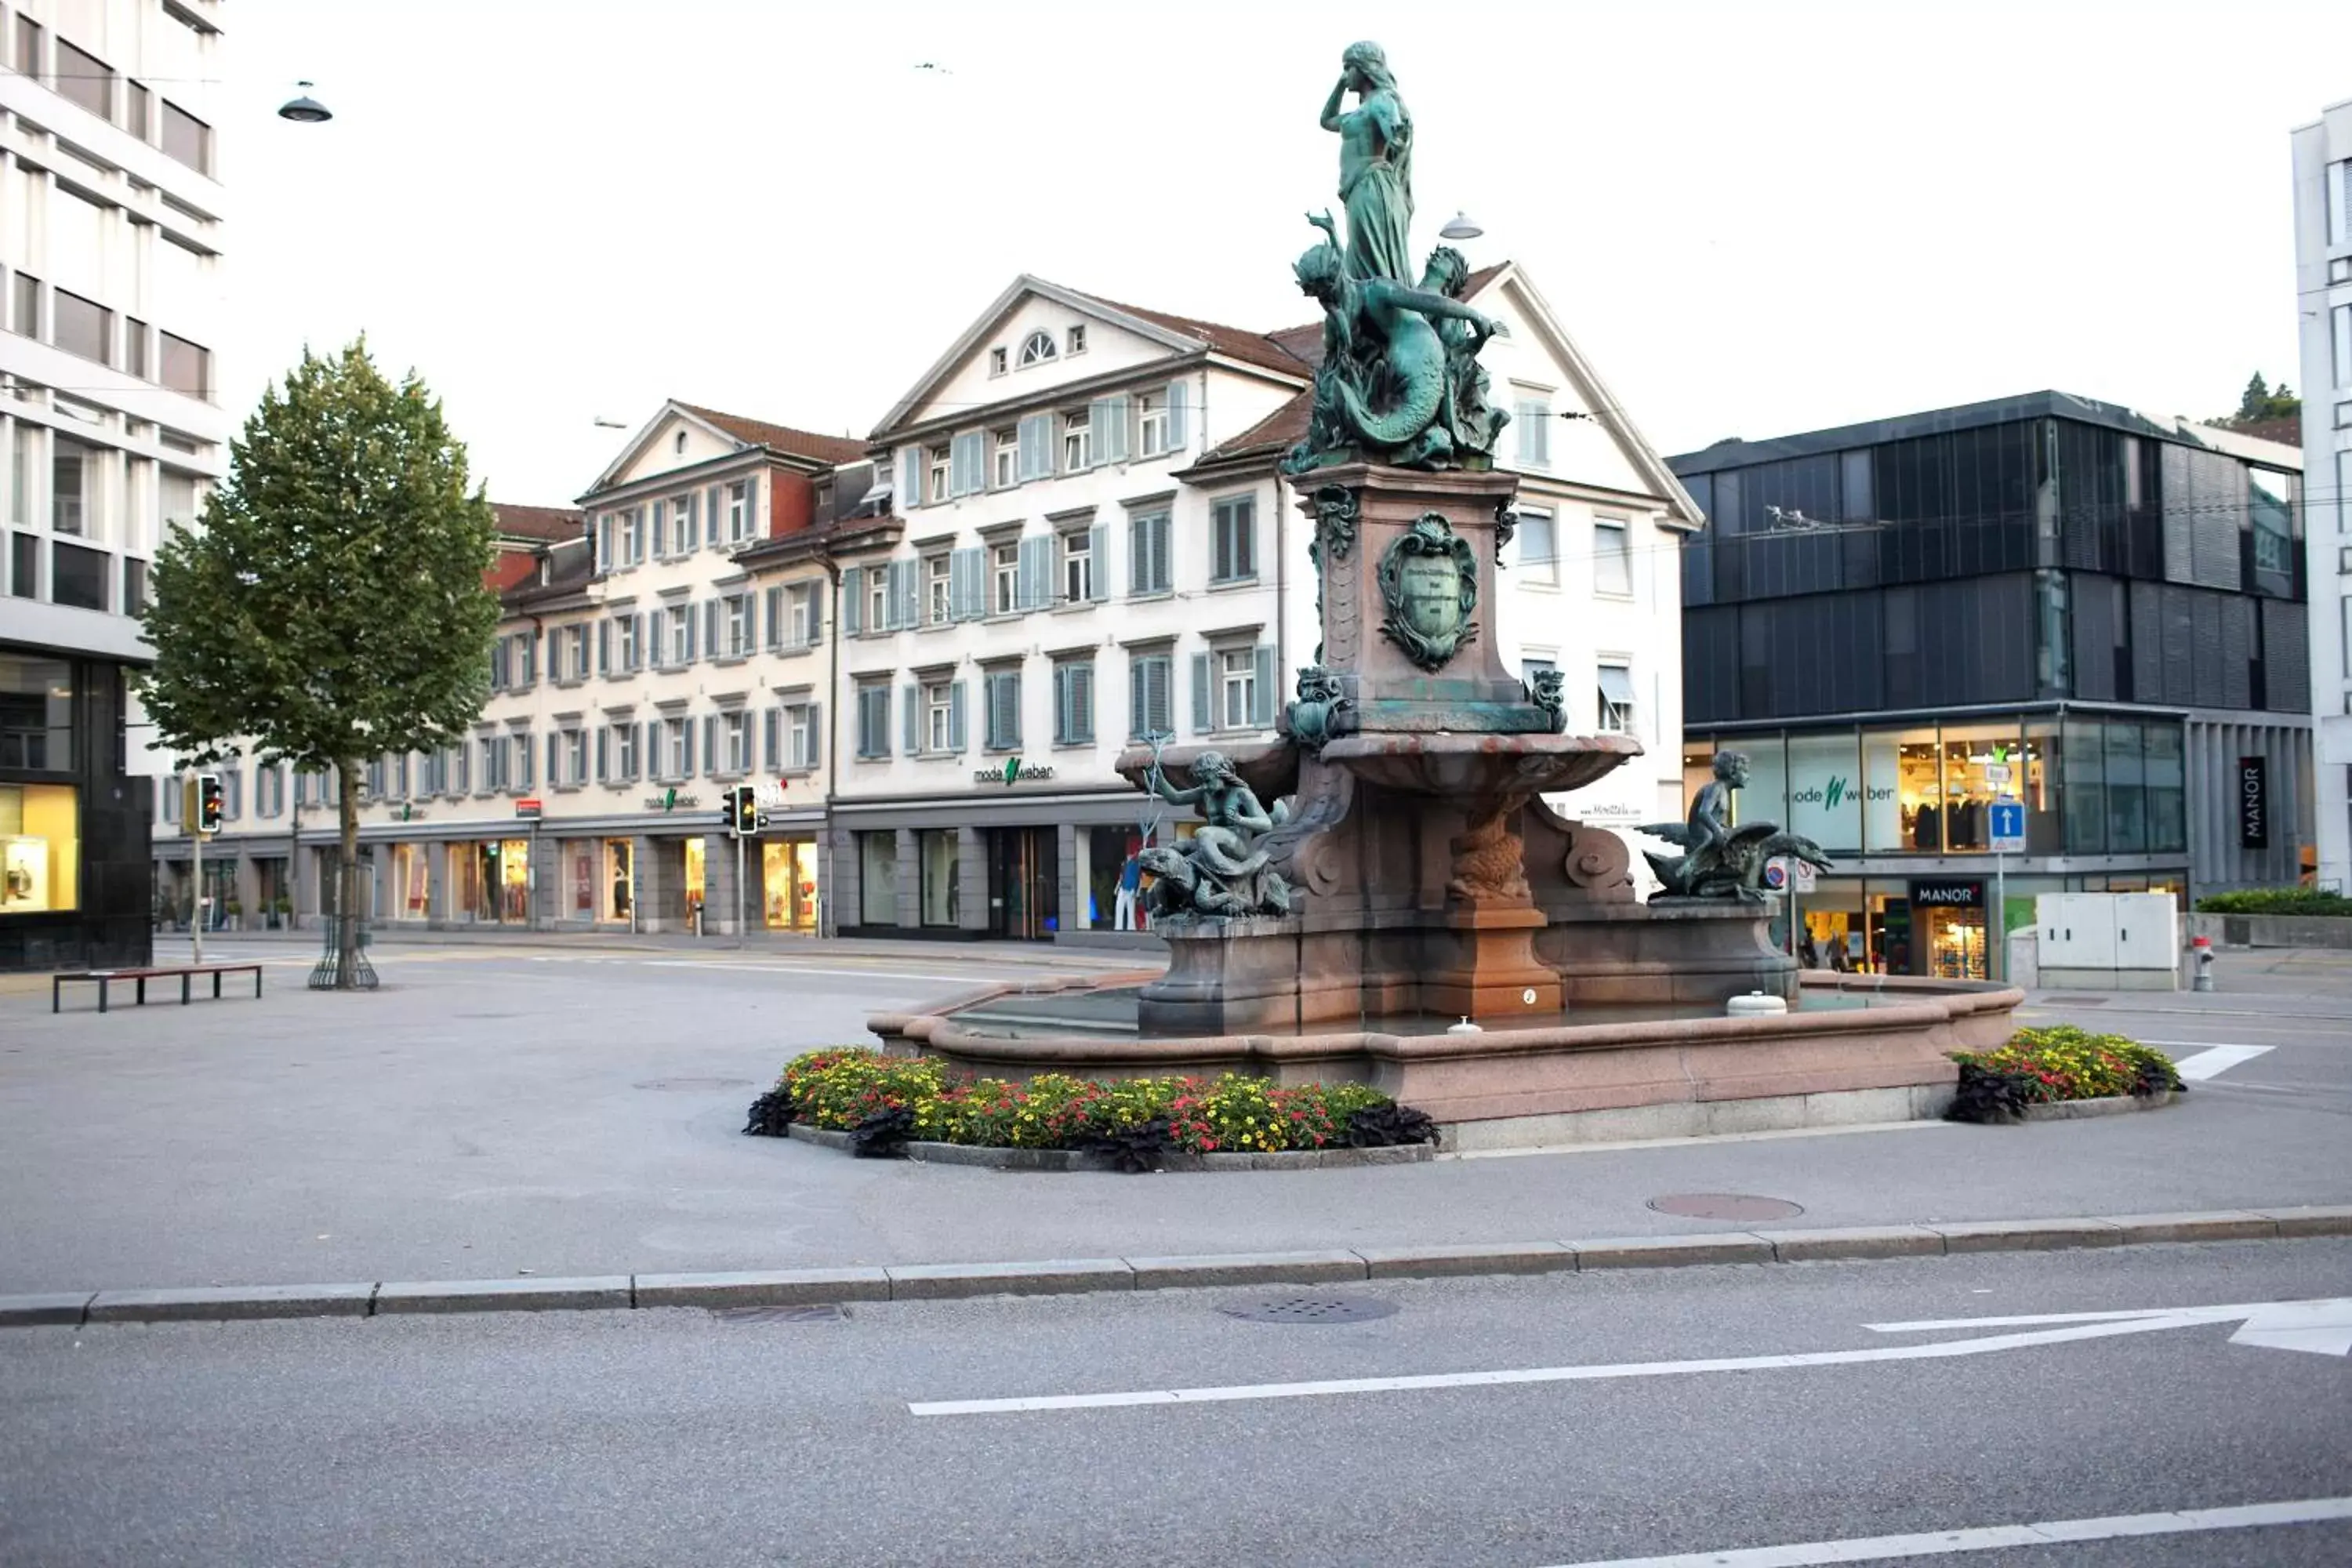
x: 2108, y: 941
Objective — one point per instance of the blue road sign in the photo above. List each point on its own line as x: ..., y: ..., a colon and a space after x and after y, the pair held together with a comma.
x: 2009, y: 825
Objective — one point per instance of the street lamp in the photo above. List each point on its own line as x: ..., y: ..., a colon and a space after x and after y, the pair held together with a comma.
x: 1460, y: 227
x: 304, y: 110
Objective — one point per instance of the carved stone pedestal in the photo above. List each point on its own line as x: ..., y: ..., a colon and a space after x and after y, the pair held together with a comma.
x: 1224, y: 977
x: 1480, y: 965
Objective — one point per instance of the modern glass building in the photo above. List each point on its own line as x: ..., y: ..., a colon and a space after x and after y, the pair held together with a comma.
x: 2096, y: 612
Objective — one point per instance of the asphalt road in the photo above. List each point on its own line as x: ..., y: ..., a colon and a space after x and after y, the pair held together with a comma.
x: 678, y: 1437
x: 498, y: 1110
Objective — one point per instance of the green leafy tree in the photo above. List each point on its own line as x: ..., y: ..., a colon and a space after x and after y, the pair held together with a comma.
x: 2259, y: 403
x: 328, y: 607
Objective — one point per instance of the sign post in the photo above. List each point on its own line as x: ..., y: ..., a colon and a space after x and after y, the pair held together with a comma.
x: 192, y: 812
x: 2008, y: 837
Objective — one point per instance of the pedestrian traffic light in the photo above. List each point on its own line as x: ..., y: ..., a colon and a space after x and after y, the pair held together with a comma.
x: 741, y: 812
x: 208, y: 802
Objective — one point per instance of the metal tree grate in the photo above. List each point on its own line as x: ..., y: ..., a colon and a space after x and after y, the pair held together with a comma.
x: 1312, y: 1309
x: 824, y: 1313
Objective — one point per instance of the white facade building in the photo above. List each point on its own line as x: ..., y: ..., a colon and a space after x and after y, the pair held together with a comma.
x: 111, y: 217
x: 2323, y: 276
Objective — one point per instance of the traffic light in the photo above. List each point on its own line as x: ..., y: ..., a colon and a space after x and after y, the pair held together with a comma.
x: 208, y: 802
x: 741, y: 812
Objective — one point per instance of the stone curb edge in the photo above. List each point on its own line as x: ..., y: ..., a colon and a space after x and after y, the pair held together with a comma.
x: 1064, y: 1277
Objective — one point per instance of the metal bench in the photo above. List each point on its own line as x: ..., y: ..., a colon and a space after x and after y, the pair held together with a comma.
x: 105, y: 979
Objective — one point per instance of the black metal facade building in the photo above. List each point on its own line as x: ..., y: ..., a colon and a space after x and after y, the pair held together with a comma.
x: 73, y: 820
x: 2119, y: 599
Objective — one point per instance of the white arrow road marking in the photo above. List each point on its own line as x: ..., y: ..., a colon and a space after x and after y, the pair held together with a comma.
x: 2217, y: 1059
x: 1997, y: 1537
x: 2283, y: 1325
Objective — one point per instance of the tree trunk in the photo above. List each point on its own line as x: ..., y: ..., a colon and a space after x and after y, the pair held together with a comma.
x: 347, y: 898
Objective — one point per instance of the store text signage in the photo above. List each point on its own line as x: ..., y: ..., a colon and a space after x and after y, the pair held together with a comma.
x: 528, y: 810
x: 1011, y: 773
x: 671, y: 800
x: 2253, y: 804
x: 1837, y: 793
x: 1948, y: 895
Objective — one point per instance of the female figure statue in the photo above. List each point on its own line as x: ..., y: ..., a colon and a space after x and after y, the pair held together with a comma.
x: 1219, y: 868
x: 1375, y: 165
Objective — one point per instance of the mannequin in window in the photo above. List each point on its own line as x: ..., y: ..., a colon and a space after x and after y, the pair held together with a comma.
x: 1130, y: 884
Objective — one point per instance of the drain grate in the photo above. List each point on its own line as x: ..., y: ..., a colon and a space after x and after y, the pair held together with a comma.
x: 826, y: 1313
x: 1725, y: 1205
x: 1312, y: 1309
x: 693, y: 1083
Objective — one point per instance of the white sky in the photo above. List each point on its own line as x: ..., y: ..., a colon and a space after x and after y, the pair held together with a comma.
x: 1755, y: 219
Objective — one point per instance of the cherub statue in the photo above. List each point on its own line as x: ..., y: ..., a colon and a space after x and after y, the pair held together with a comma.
x: 1719, y: 860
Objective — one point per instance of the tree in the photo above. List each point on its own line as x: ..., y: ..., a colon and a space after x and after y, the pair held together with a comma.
x: 328, y: 607
x: 2259, y: 403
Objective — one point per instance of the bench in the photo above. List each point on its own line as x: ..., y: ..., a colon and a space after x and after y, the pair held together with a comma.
x: 105, y: 979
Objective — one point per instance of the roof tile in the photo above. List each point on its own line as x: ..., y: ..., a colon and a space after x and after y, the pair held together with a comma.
x: 783, y: 438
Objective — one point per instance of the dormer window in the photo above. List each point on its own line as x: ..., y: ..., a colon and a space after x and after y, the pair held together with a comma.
x: 1078, y: 340
x: 677, y: 442
x: 1037, y: 348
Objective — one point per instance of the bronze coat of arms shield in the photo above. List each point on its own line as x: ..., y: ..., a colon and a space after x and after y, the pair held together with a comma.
x: 1429, y: 583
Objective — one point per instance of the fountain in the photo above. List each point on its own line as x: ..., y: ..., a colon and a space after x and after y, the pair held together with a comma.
x: 1389, y: 866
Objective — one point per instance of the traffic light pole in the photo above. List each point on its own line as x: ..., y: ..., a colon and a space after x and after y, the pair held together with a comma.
x: 196, y: 907
x: 738, y: 890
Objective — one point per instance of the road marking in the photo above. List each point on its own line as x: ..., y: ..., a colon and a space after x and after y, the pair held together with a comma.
x: 2316, y: 1326
x: 1997, y: 1537
x: 2217, y: 1059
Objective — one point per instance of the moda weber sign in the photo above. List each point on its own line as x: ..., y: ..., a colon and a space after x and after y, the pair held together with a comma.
x: 1014, y: 772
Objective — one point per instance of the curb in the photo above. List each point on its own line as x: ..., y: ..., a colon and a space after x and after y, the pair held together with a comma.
x: 1078, y: 1276
x: 1068, y: 1160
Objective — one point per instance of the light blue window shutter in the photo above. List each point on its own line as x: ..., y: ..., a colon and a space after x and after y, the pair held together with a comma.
x: 1011, y: 707
x: 815, y: 734
x: 910, y: 722
x: 711, y: 756
x: 910, y: 494
x: 769, y: 728
x: 710, y: 645
x: 525, y: 760
x: 638, y: 765
x: 1098, y: 553
x: 1138, y: 705
x: 817, y: 615
x: 1135, y: 546
x: 955, y: 716
x: 963, y: 584
x: 603, y: 755
x: 1262, y: 710
x: 714, y: 511
x: 605, y: 545
x: 1204, y: 716
x: 554, y: 757
x: 1178, y: 392
x: 775, y: 604
x: 661, y: 529
x: 852, y: 596
x: 1082, y: 703
x: 1098, y: 431
x: 604, y: 647
x: 1036, y: 572
x: 1036, y: 446
x: 908, y: 591
x: 1110, y: 431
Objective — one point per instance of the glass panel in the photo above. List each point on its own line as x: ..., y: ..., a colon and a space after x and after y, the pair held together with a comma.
x: 2127, y: 799
x: 1832, y: 928
x: 186, y: 137
x: 1698, y: 766
x: 78, y: 578
x: 1766, y: 797
x: 35, y: 713
x: 942, y: 874
x: 1971, y: 754
x: 40, y: 847
x: 1903, y: 806
x: 617, y: 880
x: 694, y: 877
x: 79, y: 326
x: 1825, y: 793
x: 2083, y: 773
x: 2039, y: 788
x: 2167, y: 800
x: 878, y: 865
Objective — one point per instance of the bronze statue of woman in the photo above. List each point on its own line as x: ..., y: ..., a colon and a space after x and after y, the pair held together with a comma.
x: 1375, y: 165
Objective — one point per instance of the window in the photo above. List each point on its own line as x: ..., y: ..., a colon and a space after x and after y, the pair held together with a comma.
x: 736, y: 618
x: 40, y: 858
x: 1232, y: 532
x: 878, y: 879
x: 78, y: 578
x: 187, y: 367
x: 625, y: 641
x: 1077, y: 566
x: 1150, y: 701
x: 939, y: 714
x: 677, y: 442
x: 2339, y: 326
x: 73, y: 486
x: 1150, y: 424
x: 633, y: 536
x: 24, y: 567
x: 734, y: 743
x: 1036, y: 349
x: 134, y: 346
x: 1532, y: 667
x: 1147, y: 554
x: 2339, y: 193
x: 940, y: 458
x: 996, y: 357
x: 1004, y: 574
x: 85, y: 79
x: 939, y: 589
x: 80, y: 326
x: 1616, y: 705
x: 681, y: 523
x: 28, y: 47
x: 1078, y: 339
x: 1004, y: 689
x: 676, y: 760
x: 1612, y: 557
x: 134, y: 584
x: 1531, y: 417
x: 36, y: 716
x: 2339, y: 269
x: 575, y: 751
x: 1539, y: 549
x: 188, y: 139
x: 26, y: 318
x: 1077, y: 441
x: 803, y: 615
x: 874, y: 720
x: 877, y: 600
x: 935, y: 853
x: 139, y: 112
x: 739, y: 512
x: 681, y: 633
x: 1074, y: 702
x: 800, y: 735
x: 623, y: 752
x: 1236, y: 686
x: 1008, y: 458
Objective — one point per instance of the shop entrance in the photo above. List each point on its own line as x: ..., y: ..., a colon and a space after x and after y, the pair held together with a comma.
x: 788, y: 899
x: 1024, y: 883
x: 1949, y: 915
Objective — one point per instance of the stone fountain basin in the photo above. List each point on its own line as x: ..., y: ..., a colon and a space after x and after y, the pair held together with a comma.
x: 1269, y: 767
x: 1481, y: 766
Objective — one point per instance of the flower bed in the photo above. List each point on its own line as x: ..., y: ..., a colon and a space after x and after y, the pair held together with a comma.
x: 2050, y: 1066
x: 884, y: 1101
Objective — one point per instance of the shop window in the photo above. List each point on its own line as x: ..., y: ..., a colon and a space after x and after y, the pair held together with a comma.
x: 1825, y: 789
x: 942, y: 871
x: 2167, y: 800
x: 1114, y: 886
x: 35, y: 713
x: 40, y: 847
x: 2126, y: 793
x: 2039, y: 779
x: 877, y: 868
x: 789, y: 884
x: 1980, y: 766
x: 618, y: 881
x: 1903, y: 811
x: 2081, y: 772
x: 1766, y: 797
x: 580, y: 891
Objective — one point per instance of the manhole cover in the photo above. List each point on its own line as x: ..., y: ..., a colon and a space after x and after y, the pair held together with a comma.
x: 1725, y: 1205
x: 1312, y: 1309
x: 695, y: 1083
x: 820, y: 1314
